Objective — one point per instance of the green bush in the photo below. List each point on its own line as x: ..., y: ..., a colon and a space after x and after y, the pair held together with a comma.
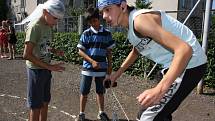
x: 141, y: 67
x: 20, y: 42
x: 68, y: 42
x: 210, y: 74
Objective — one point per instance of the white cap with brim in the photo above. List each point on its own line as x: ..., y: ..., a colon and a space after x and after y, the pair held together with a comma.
x: 55, y: 7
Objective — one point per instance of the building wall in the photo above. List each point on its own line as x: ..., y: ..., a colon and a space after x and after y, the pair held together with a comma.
x: 131, y: 2
x: 166, y: 5
x: 19, y: 7
x: 15, y: 10
x: 30, y: 6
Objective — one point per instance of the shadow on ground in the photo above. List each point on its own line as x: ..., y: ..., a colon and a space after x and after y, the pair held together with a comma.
x: 110, y: 120
x: 209, y: 94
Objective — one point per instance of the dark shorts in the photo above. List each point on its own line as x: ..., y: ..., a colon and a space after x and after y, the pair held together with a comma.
x: 85, y: 85
x: 12, y: 41
x: 38, y: 88
x: 178, y: 91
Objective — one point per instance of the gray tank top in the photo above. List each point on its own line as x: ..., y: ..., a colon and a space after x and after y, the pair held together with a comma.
x: 157, y: 53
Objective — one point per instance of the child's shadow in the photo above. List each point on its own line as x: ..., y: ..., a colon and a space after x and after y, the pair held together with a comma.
x: 89, y: 120
x: 209, y: 94
x: 19, y: 58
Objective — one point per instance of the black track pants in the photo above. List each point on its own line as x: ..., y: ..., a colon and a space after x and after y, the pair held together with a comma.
x: 178, y: 91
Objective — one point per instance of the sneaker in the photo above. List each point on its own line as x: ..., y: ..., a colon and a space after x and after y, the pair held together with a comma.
x: 9, y: 58
x: 80, y: 117
x: 103, y: 117
x: 5, y: 56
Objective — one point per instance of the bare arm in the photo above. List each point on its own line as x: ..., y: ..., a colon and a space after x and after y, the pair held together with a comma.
x: 89, y: 59
x: 182, y: 53
x: 28, y: 55
x: 109, y: 58
x: 128, y: 61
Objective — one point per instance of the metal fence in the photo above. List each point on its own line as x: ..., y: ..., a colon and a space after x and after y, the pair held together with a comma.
x: 73, y: 23
x: 194, y: 22
x: 68, y: 24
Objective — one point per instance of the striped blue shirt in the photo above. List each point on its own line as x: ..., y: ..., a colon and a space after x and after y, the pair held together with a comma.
x: 95, y: 44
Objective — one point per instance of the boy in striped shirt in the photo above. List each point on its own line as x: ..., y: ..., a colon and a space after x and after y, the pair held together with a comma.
x: 95, y: 47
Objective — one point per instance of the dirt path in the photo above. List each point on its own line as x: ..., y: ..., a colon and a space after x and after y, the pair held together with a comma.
x: 64, y: 105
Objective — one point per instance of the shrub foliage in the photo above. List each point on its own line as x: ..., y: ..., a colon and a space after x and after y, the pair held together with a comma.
x: 68, y: 42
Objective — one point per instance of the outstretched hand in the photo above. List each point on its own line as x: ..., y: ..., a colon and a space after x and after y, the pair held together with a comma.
x: 57, y: 67
x: 150, y: 97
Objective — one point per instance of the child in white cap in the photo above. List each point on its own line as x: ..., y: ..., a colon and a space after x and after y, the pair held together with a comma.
x: 166, y: 41
x: 37, y: 55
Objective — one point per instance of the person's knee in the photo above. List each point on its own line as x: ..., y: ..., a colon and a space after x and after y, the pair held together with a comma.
x: 100, y: 92
x: 85, y: 92
x: 35, y: 105
x: 34, y: 113
x: 84, y: 96
x: 45, y: 104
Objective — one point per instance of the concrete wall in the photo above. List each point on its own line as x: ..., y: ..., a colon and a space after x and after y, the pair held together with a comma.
x: 30, y: 6
x: 166, y: 5
x: 16, y: 10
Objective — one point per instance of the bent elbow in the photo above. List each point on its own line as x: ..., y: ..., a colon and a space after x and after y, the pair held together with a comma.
x: 188, y: 50
x: 25, y: 56
x: 79, y: 53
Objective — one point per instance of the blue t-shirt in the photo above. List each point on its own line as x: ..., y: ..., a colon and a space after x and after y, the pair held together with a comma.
x: 95, y: 44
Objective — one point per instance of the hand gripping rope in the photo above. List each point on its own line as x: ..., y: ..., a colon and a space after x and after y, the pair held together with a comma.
x: 115, y: 102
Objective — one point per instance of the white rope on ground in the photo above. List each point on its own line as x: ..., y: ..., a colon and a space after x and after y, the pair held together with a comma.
x: 114, y: 95
x: 188, y: 16
x: 19, y: 97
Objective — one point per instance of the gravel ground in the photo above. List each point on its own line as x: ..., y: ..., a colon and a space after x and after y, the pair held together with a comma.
x: 64, y: 105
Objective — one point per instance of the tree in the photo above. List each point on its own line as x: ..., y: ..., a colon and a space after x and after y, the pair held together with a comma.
x: 3, y: 7
x: 75, y: 11
x: 143, y: 4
